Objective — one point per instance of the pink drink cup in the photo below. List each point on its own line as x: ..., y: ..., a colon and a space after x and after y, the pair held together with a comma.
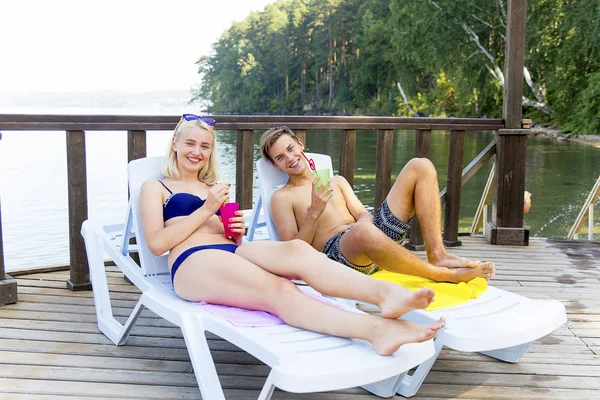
x: 228, y: 211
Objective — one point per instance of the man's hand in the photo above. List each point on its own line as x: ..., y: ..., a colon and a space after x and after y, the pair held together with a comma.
x: 320, y: 195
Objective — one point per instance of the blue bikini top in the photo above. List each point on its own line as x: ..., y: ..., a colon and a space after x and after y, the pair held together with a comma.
x: 181, y: 204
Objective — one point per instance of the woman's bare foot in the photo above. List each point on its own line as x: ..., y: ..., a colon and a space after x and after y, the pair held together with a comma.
x: 448, y: 260
x: 400, y: 300
x: 483, y: 270
x: 391, y: 334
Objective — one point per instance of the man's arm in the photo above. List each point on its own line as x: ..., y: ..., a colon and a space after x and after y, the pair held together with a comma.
x: 356, y: 208
x: 282, y: 212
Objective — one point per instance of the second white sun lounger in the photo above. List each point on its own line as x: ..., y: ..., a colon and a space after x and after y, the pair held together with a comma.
x: 499, y: 324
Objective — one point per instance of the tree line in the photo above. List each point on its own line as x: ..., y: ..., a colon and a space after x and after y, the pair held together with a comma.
x: 406, y: 57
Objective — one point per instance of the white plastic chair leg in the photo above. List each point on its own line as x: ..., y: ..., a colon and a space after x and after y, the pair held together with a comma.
x: 127, y: 232
x: 509, y: 354
x: 202, y: 361
x: 411, y: 384
x: 387, y: 387
x: 254, y: 224
x: 267, y: 390
x: 107, y: 323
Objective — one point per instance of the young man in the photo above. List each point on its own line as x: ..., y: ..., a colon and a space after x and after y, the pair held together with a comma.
x: 334, y: 221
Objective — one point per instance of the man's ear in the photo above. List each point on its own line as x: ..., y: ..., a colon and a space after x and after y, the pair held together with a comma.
x: 301, y: 143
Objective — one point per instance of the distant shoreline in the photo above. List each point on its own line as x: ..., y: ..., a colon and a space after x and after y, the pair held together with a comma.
x: 548, y: 132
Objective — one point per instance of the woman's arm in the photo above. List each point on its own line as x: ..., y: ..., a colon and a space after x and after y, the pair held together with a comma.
x: 158, y: 237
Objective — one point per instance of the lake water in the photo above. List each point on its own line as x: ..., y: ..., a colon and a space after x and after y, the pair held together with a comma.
x: 33, y: 179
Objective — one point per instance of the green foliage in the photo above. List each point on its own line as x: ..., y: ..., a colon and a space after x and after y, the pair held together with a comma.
x: 351, y: 57
x: 586, y: 118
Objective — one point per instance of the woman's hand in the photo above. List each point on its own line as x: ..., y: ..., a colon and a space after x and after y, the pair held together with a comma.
x: 237, y: 225
x: 216, y: 197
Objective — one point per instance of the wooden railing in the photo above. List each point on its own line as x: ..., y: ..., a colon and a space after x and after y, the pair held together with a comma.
x: 76, y: 127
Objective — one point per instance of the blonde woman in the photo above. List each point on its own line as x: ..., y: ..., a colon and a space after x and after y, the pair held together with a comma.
x: 180, y: 215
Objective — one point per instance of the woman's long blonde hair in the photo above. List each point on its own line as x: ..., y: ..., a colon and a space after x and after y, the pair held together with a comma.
x: 208, y: 174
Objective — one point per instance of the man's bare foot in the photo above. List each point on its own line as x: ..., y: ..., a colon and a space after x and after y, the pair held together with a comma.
x: 451, y: 261
x: 400, y: 300
x: 483, y: 270
x: 393, y: 333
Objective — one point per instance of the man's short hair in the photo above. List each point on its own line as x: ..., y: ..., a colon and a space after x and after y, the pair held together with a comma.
x: 269, y: 138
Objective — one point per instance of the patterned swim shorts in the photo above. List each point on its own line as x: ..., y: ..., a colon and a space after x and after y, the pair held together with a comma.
x: 389, y: 224
x: 332, y: 251
x: 385, y: 221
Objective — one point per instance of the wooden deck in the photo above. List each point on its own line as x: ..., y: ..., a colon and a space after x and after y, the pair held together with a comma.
x: 50, y: 346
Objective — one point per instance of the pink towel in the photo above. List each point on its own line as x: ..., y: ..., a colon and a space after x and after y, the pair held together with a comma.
x: 244, y: 317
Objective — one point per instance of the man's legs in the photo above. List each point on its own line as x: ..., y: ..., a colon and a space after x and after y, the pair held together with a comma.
x: 416, y: 190
x: 365, y: 243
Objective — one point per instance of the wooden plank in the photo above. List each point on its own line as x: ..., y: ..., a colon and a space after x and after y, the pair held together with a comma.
x: 515, y: 379
x: 27, y: 396
x: 84, y: 327
x: 127, y: 351
x: 228, y: 126
x: 383, y: 165
x: 271, y: 119
x: 78, y: 213
x: 244, y: 167
x: 52, y: 284
x: 76, y: 389
x: 347, y: 154
x: 77, y: 296
x: 454, y: 184
x: 502, y: 392
x: 60, y: 360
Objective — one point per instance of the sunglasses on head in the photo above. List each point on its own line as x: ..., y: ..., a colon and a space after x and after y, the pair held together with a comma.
x: 193, y: 117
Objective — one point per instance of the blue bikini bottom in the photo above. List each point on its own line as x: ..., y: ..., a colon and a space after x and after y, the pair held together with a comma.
x: 225, y: 247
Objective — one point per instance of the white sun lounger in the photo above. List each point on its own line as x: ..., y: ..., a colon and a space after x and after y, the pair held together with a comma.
x: 499, y: 324
x: 301, y: 361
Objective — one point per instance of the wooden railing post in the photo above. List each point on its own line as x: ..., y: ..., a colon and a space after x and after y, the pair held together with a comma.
x: 244, y: 168
x: 301, y: 134
x: 506, y: 226
x: 136, y: 145
x: 8, y: 285
x: 422, y: 149
x: 77, y: 190
x: 136, y: 149
x: 383, y: 175
x: 347, y: 154
x: 454, y: 185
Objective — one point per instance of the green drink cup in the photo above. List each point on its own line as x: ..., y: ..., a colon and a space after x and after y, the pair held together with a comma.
x: 325, y: 175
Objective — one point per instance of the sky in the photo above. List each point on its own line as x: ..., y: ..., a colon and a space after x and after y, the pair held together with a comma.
x: 123, y: 45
